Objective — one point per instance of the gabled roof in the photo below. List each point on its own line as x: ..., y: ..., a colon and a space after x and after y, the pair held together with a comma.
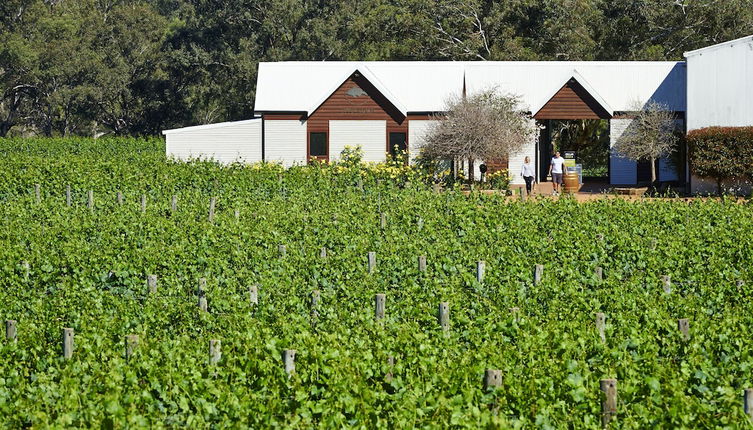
x: 583, y: 82
x: 369, y: 76
x: 425, y: 86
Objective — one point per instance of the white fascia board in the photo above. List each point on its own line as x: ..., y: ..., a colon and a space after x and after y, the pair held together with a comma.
x: 583, y: 82
x: 364, y: 70
x: 211, y: 126
x: 718, y: 46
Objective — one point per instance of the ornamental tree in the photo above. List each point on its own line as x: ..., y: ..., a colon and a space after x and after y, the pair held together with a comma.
x: 483, y: 126
x: 652, y: 134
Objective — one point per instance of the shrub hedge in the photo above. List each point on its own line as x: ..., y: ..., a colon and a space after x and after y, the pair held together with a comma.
x: 721, y: 153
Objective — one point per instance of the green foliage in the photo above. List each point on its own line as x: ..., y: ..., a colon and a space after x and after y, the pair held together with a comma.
x: 88, y: 270
x: 721, y: 153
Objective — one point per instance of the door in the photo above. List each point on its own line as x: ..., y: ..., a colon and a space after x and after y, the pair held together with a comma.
x: 398, y: 142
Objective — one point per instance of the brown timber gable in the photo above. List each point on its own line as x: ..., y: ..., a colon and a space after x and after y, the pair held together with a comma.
x: 356, y: 99
x: 572, y: 101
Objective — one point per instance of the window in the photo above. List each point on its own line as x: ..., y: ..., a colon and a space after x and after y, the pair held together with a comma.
x: 318, y: 144
x: 397, y: 142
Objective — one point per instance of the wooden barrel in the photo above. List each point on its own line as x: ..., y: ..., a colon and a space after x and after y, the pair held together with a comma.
x: 571, y: 183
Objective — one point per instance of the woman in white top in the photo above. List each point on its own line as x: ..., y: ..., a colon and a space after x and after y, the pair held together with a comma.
x: 528, y: 173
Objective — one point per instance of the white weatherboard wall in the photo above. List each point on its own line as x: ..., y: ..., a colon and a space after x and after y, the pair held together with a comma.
x: 417, y: 131
x: 227, y: 142
x: 621, y: 170
x: 370, y: 135
x: 285, y: 141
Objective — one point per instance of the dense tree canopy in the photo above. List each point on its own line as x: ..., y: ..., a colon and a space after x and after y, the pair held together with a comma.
x: 137, y: 66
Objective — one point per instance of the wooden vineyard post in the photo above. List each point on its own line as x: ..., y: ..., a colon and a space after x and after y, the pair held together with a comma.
x: 90, y: 203
x: 379, y: 306
x: 538, y: 274
x: 382, y: 220
x: 26, y: 268
x: 748, y: 402
x: 323, y: 252
x: 444, y: 316
x: 174, y: 204
x: 10, y: 330
x: 67, y: 343
x: 683, y: 324
x: 143, y: 203
x: 253, y: 295
x: 609, y: 403
x: 600, y: 325
x: 480, y: 270
x: 215, y: 352
x: 420, y: 224
x: 654, y: 242
x: 315, y: 297
x: 515, y: 311
x: 599, y: 273
x: 422, y: 263
x: 282, y: 251
x: 372, y: 261
x: 237, y: 214
x: 666, y: 282
x: 68, y: 199
x: 492, y: 378
x: 151, y: 283
x: 37, y: 193
x: 120, y: 198
x: 201, y: 292
x: 131, y: 343
x: 202, y: 287
x: 390, y: 365
x: 212, y: 203
x: 288, y: 360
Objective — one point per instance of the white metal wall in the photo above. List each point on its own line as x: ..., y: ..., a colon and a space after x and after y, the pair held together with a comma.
x: 285, y: 141
x: 621, y: 170
x: 417, y: 131
x: 226, y: 142
x: 720, y: 85
x: 370, y: 135
x: 720, y: 93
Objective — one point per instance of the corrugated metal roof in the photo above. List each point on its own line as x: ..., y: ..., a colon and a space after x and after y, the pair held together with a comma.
x: 425, y: 86
x: 746, y: 39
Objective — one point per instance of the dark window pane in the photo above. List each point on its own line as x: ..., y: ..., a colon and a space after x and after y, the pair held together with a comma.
x: 397, y: 142
x: 318, y: 145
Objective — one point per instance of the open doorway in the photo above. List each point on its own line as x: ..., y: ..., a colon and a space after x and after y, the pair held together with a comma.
x: 587, y: 140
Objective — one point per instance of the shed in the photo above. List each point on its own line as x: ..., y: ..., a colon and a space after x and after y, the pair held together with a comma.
x: 225, y: 142
x: 720, y: 92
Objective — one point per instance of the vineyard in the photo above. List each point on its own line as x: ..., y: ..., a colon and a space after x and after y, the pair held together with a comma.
x: 141, y: 292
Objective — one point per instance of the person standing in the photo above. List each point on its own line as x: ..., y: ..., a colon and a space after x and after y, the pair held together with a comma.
x: 528, y: 174
x: 556, y: 170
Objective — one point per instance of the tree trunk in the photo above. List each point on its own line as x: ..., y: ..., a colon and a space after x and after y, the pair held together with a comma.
x: 719, y: 186
x: 653, y: 171
x: 470, y: 171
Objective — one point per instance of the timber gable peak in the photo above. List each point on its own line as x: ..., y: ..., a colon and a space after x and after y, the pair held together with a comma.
x: 576, y: 81
x: 364, y: 71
